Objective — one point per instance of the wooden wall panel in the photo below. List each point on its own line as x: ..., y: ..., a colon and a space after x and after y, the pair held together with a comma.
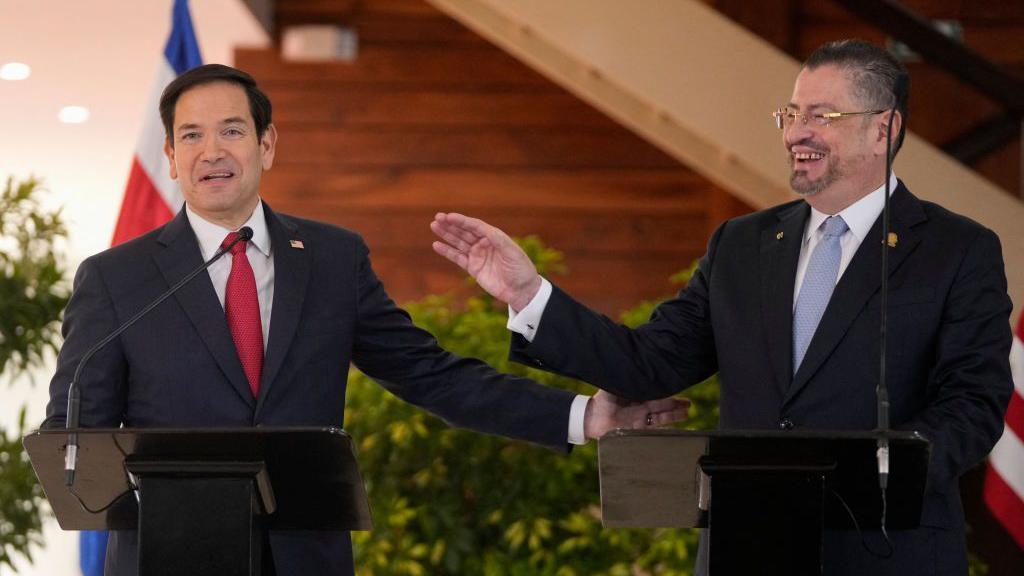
x: 430, y: 117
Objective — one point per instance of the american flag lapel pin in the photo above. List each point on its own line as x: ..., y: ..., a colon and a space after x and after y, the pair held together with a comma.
x: 296, y: 244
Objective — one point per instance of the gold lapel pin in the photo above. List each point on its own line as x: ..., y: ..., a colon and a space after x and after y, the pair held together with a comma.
x: 296, y: 244
x: 779, y: 236
x: 893, y: 240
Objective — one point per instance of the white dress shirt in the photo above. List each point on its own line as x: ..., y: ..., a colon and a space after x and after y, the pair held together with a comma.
x: 859, y: 217
x: 258, y: 251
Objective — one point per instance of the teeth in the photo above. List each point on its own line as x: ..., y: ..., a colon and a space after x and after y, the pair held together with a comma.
x: 808, y: 155
x: 217, y: 175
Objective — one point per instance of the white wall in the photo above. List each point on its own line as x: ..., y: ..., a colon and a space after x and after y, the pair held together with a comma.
x: 102, y: 54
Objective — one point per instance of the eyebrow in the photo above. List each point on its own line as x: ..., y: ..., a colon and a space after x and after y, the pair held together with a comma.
x: 224, y: 122
x: 813, y: 106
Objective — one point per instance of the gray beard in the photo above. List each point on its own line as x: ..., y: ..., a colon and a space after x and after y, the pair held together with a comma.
x: 804, y: 187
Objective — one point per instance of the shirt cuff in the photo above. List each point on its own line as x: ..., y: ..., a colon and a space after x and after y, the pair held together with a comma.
x: 527, y: 320
x: 576, y: 417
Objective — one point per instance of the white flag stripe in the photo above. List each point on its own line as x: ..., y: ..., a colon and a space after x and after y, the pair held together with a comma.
x: 150, y: 148
x: 1008, y: 461
x: 1017, y: 365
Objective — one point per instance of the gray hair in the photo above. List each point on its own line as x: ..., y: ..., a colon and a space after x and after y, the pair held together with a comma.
x: 874, y: 73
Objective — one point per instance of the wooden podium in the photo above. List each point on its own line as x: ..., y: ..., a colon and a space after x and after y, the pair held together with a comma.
x: 766, y: 496
x: 201, y: 498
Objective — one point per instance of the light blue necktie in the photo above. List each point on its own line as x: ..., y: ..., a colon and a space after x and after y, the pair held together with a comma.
x: 819, y: 281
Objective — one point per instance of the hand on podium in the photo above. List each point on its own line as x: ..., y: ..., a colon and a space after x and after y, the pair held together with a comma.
x: 606, y: 412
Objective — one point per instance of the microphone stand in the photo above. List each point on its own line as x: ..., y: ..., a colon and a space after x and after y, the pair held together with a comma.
x: 882, y: 453
x: 75, y: 390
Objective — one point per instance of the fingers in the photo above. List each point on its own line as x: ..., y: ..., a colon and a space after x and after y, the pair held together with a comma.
x: 657, y: 419
x: 461, y: 241
x: 667, y: 404
x: 459, y: 258
x: 656, y: 413
x: 469, y: 230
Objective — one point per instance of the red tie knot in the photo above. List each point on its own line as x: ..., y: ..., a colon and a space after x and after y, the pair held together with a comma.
x: 238, y: 248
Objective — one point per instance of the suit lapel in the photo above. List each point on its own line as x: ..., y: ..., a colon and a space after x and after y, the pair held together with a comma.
x: 291, y: 276
x: 860, y: 282
x: 198, y: 299
x: 780, y: 252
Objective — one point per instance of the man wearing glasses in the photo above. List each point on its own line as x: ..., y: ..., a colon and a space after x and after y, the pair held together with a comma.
x: 785, y: 307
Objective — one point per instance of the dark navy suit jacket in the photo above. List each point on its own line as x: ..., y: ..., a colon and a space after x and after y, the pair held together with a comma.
x: 948, y: 369
x: 178, y: 367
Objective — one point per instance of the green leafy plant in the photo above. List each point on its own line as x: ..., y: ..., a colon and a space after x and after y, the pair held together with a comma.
x: 448, y: 501
x: 32, y: 296
x: 21, y: 498
x: 31, y: 277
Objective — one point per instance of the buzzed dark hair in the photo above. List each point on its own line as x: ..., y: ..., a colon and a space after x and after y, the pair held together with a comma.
x: 874, y: 73
x: 259, y: 104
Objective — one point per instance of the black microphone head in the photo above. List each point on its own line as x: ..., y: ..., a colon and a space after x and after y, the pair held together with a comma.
x: 245, y: 233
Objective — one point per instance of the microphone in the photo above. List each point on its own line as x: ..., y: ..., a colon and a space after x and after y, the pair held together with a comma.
x: 74, y: 390
x: 900, y: 87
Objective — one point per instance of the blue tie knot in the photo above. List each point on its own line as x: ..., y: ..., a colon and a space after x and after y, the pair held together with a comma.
x: 835, y: 226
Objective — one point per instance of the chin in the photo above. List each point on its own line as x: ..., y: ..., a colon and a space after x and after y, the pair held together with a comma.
x: 804, y: 187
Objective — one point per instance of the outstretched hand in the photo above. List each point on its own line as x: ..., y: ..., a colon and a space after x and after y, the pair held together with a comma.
x: 606, y: 412
x: 497, y: 263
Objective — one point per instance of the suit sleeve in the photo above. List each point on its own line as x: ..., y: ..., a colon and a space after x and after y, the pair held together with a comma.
x: 970, y: 384
x: 88, y: 318
x: 466, y: 393
x: 675, y: 349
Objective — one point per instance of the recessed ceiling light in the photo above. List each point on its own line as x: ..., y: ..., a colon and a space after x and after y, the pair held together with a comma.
x: 14, y: 71
x: 73, y: 114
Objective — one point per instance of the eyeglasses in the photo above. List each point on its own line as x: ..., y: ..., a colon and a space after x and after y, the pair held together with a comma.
x: 784, y: 117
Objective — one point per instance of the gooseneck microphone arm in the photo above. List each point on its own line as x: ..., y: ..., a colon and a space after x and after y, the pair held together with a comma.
x: 74, y: 390
x: 899, y: 92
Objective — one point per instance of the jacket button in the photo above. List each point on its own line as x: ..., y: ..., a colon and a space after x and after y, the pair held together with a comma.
x: 785, y: 424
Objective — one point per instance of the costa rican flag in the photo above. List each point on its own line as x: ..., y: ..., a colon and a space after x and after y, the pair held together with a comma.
x: 151, y: 198
x: 1004, y: 483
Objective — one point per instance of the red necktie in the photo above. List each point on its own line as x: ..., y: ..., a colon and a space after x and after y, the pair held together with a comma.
x: 243, y: 313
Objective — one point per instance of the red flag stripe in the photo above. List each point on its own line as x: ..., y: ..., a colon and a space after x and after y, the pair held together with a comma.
x: 1006, y: 505
x: 1015, y: 415
x: 142, y: 209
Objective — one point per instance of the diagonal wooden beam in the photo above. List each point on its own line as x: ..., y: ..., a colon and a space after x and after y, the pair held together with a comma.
x: 984, y: 139
x: 941, y: 51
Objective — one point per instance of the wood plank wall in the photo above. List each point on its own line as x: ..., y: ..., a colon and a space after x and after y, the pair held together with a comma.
x: 941, y: 107
x: 431, y: 117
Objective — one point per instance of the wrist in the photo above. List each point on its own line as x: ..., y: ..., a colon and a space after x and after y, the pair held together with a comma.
x: 526, y: 294
x: 588, y: 417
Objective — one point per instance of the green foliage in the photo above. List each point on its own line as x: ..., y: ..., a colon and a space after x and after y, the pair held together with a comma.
x: 32, y: 296
x: 31, y: 278
x: 20, y: 499
x: 449, y: 501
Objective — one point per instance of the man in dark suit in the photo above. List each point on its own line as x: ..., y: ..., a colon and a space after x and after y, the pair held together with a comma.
x: 785, y: 307
x: 267, y: 337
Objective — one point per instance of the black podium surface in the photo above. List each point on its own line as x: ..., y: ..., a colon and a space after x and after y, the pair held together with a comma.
x: 312, y: 473
x: 767, y: 496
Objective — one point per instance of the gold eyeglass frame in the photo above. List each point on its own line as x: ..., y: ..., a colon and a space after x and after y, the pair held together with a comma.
x: 822, y: 119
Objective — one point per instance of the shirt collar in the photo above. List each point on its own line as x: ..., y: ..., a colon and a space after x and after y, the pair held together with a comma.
x: 211, y: 235
x: 859, y: 216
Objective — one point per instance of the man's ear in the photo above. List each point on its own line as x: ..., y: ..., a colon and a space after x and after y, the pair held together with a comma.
x: 268, y: 146
x: 169, y: 152
x: 897, y: 124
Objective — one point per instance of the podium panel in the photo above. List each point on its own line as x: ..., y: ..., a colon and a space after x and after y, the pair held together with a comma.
x: 312, y: 473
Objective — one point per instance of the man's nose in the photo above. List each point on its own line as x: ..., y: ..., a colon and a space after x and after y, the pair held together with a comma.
x: 795, y: 132
x: 212, y: 150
